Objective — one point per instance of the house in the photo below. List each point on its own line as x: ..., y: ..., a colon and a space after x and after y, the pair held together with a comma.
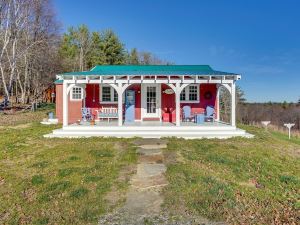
x: 145, y: 101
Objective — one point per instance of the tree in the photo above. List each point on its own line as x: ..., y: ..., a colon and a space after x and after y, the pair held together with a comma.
x: 134, y: 57
x: 113, y: 49
x: 240, y: 96
x: 96, y: 54
x: 101, y: 48
x: 75, y: 47
x: 28, y: 33
x: 225, y: 102
x: 299, y: 101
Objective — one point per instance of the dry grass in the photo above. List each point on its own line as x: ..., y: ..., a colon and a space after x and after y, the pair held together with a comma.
x: 58, y: 181
x: 241, y: 181
x: 281, y: 129
x: 12, y: 118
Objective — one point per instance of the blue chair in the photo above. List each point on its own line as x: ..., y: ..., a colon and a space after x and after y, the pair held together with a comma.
x: 210, y: 113
x: 86, y: 114
x: 187, y: 113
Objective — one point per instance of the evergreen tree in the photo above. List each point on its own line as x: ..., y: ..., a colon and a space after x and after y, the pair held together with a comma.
x: 113, y: 49
x: 96, y: 54
x: 134, y: 57
x: 81, y: 50
x: 68, y: 52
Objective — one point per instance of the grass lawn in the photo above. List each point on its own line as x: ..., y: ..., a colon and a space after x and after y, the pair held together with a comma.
x: 57, y: 181
x: 69, y: 181
x: 241, y: 181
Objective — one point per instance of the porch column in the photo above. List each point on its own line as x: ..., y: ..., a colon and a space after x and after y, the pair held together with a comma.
x: 177, y: 88
x: 65, y: 104
x: 120, y: 108
x: 177, y: 101
x: 218, y: 102
x: 120, y: 88
x: 233, y: 103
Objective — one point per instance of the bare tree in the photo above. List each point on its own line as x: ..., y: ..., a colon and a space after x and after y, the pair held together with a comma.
x: 28, y: 42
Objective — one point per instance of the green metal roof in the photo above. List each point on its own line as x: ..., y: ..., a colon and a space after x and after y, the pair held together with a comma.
x: 124, y: 70
x: 58, y: 82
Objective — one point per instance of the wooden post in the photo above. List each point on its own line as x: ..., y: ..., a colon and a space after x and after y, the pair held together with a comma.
x: 177, y: 101
x: 233, y: 103
x: 120, y: 88
x: 120, y: 107
x: 65, y: 104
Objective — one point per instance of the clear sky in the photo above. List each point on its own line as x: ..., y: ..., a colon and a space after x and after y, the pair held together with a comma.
x: 259, y: 39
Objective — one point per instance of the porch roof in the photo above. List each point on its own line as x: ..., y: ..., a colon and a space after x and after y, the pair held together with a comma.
x: 150, y: 70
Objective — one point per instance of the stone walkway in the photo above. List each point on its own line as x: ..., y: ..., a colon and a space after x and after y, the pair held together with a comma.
x: 144, y: 198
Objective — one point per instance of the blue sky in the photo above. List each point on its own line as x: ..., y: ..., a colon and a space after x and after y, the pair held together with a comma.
x: 259, y: 39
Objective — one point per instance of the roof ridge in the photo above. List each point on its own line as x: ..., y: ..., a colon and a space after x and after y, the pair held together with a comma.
x: 154, y: 67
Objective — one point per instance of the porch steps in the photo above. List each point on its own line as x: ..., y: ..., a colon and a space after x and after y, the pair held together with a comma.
x: 150, y: 132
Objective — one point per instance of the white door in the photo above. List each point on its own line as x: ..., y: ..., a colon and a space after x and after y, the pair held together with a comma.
x: 151, y: 94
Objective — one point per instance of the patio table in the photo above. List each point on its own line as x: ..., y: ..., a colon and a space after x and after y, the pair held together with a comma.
x: 199, y: 118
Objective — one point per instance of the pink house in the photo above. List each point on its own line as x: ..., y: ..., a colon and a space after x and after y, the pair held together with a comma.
x: 145, y: 101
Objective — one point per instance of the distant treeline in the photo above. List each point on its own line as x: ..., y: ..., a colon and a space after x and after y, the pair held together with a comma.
x: 277, y: 113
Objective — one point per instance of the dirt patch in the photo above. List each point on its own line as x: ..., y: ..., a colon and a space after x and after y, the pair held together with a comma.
x: 126, y: 172
x: 150, y: 159
x: 20, y: 126
x: 150, y: 141
x: 120, y: 146
x: 116, y: 196
x: 29, y: 195
x: 170, y: 157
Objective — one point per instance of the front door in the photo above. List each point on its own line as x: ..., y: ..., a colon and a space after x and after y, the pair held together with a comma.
x: 151, y: 94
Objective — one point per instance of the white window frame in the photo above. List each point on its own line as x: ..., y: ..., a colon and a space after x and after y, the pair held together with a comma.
x: 112, y: 94
x: 76, y: 99
x: 187, y: 94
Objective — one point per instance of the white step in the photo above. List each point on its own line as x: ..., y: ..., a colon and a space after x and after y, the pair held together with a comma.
x: 142, y: 128
x: 150, y: 133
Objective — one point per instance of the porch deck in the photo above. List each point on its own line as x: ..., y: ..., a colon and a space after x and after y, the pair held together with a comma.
x: 150, y: 129
x: 114, y: 123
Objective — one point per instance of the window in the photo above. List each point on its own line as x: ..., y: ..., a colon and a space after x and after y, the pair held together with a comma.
x: 76, y: 93
x: 108, y: 94
x: 193, y: 93
x: 182, y: 95
x: 190, y: 94
x: 115, y: 96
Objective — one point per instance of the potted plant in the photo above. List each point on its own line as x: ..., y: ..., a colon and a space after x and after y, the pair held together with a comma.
x: 92, y: 122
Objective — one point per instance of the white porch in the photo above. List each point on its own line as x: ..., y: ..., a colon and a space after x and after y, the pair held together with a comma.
x: 177, y: 84
x: 177, y: 78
